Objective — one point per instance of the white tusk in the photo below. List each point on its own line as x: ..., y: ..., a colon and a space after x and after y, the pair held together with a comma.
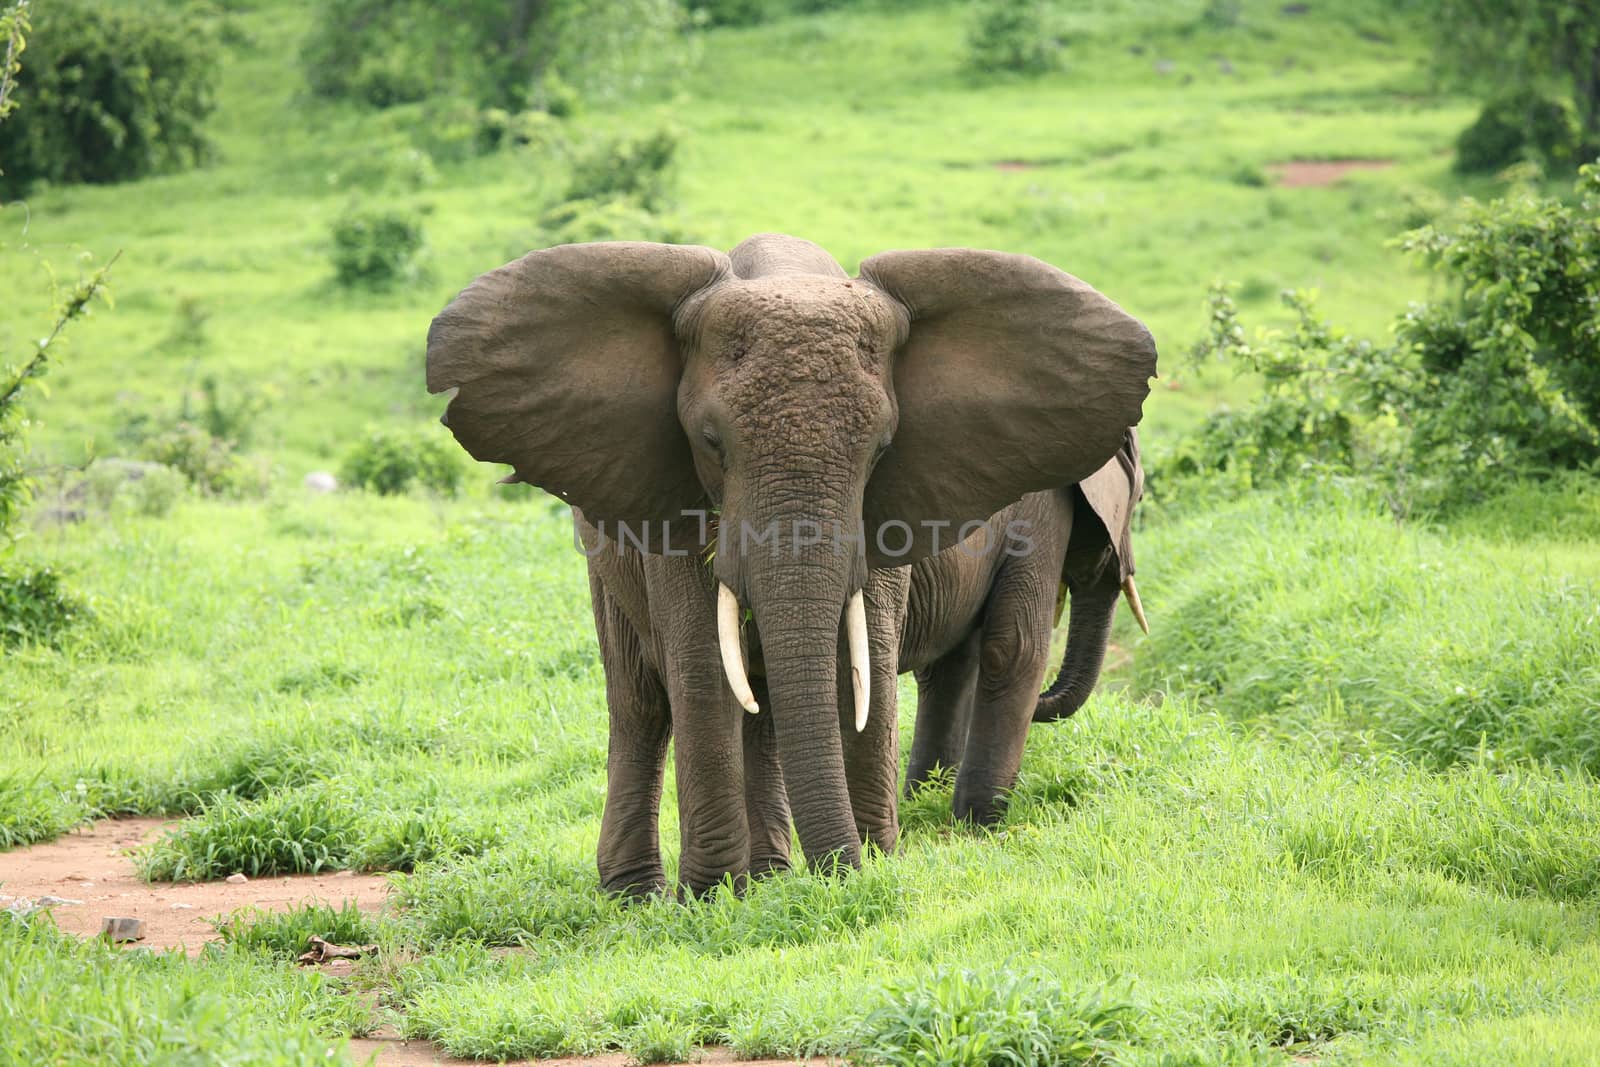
x: 855, y: 629
x: 1131, y: 591
x: 732, y: 651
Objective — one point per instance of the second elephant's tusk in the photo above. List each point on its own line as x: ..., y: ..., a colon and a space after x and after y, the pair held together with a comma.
x: 732, y: 650
x: 855, y: 629
x: 1131, y: 591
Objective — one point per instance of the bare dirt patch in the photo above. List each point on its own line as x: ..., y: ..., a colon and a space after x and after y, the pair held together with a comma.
x: 91, y: 869
x: 1300, y: 173
x: 393, y: 1052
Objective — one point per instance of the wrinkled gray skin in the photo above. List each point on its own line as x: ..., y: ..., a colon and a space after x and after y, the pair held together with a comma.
x: 977, y: 631
x: 639, y: 381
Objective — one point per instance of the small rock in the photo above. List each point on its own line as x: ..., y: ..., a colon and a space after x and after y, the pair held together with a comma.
x: 321, y: 482
x: 1165, y: 66
x: 122, y: 928
x: 236, y: 879
x: 344, y: 874
x: 180, y: 906
x: 51, y: 902
x: 1224, y: 66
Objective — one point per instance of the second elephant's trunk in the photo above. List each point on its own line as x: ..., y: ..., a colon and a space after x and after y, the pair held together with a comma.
x: 1088, y: 629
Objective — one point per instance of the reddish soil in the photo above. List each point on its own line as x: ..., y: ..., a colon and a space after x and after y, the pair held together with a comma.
x: 92, y: 866
x: 1299, y: 173
x: 1014, y: 164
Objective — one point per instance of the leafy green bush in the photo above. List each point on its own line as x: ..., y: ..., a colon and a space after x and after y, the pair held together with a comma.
x: 149, y: 489
x: 301, y: 831
x: 577, y: 221
x: 211, y: 464
x: 34, y: 608
x: 964, y: 1019
x: 635, y: 167
x: 1499, y: 380
x: 391, y: 461
x: 286, y: 934
x: 107, y: 93
x: 375, y: 249
x: 1013, y: 35
x: 1517, y: 126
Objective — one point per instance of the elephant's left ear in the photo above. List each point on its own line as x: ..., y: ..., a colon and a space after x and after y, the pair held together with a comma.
x: 1112, y: 492
x: 1015, y: 377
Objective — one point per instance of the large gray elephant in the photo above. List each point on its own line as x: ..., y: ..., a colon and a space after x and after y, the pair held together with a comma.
x: 834, y: 428
x: 978, y: 626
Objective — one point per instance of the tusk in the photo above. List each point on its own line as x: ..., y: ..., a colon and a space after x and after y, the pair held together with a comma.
x: 1131, y: 591
x: 855, y: 628
x: 732, y: 652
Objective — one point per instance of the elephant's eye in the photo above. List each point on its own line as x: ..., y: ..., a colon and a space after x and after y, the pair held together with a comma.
x: 712, y: 441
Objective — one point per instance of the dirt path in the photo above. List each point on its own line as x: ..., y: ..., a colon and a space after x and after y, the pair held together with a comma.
x: 90, y: 869
x: 1299, y: 173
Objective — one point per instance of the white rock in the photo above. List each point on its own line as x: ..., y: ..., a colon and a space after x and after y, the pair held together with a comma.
x: 321, y: 482
x: 236, y: 879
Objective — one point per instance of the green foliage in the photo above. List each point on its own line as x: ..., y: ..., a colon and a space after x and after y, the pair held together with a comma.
x: 375, y: 249
x: 1496, y: 381
x: 148, y: 489
x: 90, y: 1002
x: 286, y: 934
x: 966, y: 1019
x: 31, y: 811
x: 1533, y: 46
x: 392, y: 461
x: 108, y: 93
x: 1521, y: 125
x: 211, y: 464
x: 509, y: 56
x: 1018, y: 36
x: 639, y: 168
x: 14, y: 29
x: 302, y: 831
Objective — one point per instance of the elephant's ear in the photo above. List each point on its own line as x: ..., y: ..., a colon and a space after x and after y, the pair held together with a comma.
x: 1111, y: 492
x: 565, y: 364
x: 1015, y: 377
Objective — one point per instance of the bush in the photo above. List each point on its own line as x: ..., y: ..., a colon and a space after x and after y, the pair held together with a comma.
x: 389, y: 462
x: 635, y: 167
x: 1013, y: 35
x: 964, y: 1019
x: 1498, y: 381
x: 108, y: 93
x: 1518, y: 126
x: 34, y: 608
x: 147, y: 488
x: 375, y: 249
x: 209, y: 463
x: 577, y: 221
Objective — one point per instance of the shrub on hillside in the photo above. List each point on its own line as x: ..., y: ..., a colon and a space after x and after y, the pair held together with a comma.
x: 34, y: 607
x: 375, y: 249
x: 107, y: 93
x: 1013, y: 35
x: 1523, y: 125
x: 639, y: 167
x: 210, y: 464
x: 389, y: 462
x: 1498, y: 380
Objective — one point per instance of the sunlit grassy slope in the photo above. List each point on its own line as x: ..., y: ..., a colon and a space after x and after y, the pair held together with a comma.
x: 1344, y: 807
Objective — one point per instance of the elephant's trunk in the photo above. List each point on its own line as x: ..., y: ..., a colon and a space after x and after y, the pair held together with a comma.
x: 1088, y: 629
x: 799, y: 602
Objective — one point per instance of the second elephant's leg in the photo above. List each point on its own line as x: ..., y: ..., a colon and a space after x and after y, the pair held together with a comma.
x: 1012, y: 653
x: 946, y: 689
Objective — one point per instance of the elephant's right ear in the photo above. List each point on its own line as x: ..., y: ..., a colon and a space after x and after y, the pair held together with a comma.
x: 565, y: 364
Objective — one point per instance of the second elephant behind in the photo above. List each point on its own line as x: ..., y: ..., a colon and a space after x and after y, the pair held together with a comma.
x: 979, y: 620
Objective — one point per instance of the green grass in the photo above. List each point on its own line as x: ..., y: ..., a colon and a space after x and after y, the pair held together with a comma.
x: 1341, y: 804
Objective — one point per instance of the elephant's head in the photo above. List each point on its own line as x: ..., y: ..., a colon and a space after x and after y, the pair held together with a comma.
x: 641, y: 382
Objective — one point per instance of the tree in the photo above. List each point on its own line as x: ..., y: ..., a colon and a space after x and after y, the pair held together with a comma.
x: 1549, y: 47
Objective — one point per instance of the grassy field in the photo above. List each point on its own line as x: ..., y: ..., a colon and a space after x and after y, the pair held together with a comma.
x: 1339, y: 805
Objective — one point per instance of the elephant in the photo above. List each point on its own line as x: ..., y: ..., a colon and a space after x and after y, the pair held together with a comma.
x: 759, y: 439
x: 978, y: 627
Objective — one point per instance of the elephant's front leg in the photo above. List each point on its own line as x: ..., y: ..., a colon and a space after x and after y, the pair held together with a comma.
x: 629, y: 854
x: 872, y: 756
x: 707, y: 742
x: 1012, y: 654
x: 766, y: 801
x: 945, y: 692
